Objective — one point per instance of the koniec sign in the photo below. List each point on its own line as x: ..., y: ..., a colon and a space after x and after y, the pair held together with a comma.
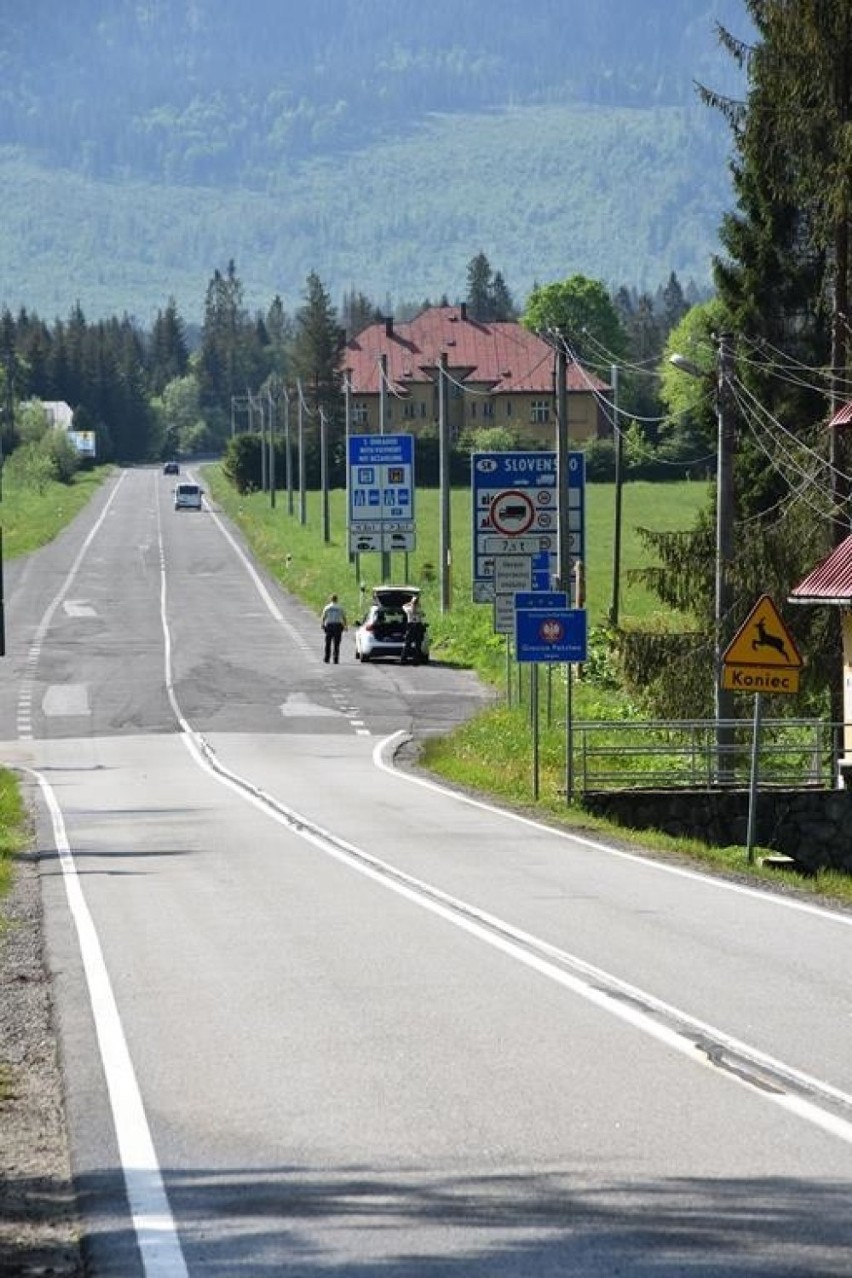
x: 762, y: 656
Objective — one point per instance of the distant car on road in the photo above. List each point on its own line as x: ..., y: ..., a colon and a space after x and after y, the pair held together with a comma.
x: 171, y: 468
x: 188, y: 497
x: 382, y: 631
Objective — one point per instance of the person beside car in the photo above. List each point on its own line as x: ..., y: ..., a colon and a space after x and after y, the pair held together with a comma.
x: 333, y: 622
x: 415, y: 627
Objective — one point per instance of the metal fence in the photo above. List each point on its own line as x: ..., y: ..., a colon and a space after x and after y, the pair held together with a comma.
x: 691, y: 754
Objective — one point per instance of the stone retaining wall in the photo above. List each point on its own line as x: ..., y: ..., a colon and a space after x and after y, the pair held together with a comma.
x: 814, y: 827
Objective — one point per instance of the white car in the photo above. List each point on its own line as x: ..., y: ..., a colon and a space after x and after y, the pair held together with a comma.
x: 382, y: 631
x: 188, y: 497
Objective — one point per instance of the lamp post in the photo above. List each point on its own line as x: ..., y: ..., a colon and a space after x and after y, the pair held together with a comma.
x: 723, y: 698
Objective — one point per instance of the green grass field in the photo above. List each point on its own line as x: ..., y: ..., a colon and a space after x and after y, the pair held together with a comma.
x: 30, y: 519
x: 316, y: 568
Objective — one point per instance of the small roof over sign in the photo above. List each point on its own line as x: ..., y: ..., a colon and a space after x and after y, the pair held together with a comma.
x: 830, y: 582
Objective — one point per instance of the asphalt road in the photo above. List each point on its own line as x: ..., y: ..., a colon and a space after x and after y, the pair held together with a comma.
x: 319, y: 1016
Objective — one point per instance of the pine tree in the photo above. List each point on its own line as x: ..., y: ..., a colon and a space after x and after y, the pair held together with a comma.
x: 316, y: 348
x: 502, y: 303
x: 168, y: 353
x: 783, y: 284
x: 479, y: 283
x: 227, y: 364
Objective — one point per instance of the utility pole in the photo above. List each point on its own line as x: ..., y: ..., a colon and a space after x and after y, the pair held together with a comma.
x: 288, y: 452
x: 724, y: 697
x: 271, y: 401
x: 326, y: 533
x: 562, y: 467
x: 444, y: 460
x: 347, y: 434
x: 618, y: 440
x: 565, y: 582
x: 383, y: 393
x: 303, y: 514
x: 263, y: 475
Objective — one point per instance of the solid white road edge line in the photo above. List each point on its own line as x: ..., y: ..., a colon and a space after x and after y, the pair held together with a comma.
x: 153, y: 1222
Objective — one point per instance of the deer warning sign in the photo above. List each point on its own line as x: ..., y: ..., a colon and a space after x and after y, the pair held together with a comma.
x: 762, y: 656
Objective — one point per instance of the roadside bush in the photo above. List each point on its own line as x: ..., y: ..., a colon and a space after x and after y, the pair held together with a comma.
x: 63, y: 456
x: 29, y: 467
x: 53, y: 458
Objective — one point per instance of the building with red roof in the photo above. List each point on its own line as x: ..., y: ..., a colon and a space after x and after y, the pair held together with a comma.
x: 830, y: 582
x: 498, y: 374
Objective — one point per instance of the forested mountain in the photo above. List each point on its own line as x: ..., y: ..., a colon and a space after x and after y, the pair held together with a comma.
x: 379, y: 142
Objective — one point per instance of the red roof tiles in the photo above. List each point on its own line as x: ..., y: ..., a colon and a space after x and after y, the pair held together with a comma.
x: 501, y: 356
x: 830, y: 582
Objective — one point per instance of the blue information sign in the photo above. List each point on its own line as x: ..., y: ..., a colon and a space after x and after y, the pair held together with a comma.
x: 551, y: 634
x: 381, y: 492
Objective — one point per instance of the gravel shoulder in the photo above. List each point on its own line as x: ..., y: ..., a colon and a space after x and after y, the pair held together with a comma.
x: 38, y: 1224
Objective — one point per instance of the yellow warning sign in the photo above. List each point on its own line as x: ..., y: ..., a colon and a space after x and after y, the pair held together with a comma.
x: 762, y: 656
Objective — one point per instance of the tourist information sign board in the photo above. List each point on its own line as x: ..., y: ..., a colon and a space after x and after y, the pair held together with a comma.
x: 381, y: 493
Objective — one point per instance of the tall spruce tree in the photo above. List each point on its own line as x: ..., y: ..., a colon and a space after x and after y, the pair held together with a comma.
x: 315, y: 354
x: 228, y: 343
x: 783, y: 283
x: 479, y: 285
x: 168, y: 351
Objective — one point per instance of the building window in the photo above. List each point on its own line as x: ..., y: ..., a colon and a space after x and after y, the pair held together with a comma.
x: 360, y: 414
x: 409, y: 410
x: 540, y: 410
x: 510, y: 408
x: 472, y: 409
x: 488, y: 408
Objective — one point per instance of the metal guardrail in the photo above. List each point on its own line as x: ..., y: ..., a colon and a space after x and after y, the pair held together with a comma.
x: 692, y: 754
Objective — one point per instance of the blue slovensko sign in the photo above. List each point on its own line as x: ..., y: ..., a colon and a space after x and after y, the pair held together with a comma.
x: 550, y: 634
x: 381, y: 492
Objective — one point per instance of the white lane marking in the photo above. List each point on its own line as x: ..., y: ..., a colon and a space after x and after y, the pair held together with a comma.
x: 75, y: 608
x: 389, y: 745
x: 66, y: 699
x: 26, y: 690
x: 675, y: 1029
x: 298, y: 705
x: 153, y: 1222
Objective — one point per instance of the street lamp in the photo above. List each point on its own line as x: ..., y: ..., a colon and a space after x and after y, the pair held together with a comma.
x: 723, y: 698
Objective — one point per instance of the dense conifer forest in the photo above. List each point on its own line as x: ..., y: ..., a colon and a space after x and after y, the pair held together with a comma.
x: 144, y: 143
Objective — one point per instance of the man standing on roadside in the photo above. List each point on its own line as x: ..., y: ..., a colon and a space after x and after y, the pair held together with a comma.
x: 334, y: 623
x: 415, y: 627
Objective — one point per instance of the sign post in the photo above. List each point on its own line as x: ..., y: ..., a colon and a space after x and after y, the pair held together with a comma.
x: 761, y: 657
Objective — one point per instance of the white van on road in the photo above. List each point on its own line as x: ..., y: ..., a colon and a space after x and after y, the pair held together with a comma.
x: 188, y: 497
